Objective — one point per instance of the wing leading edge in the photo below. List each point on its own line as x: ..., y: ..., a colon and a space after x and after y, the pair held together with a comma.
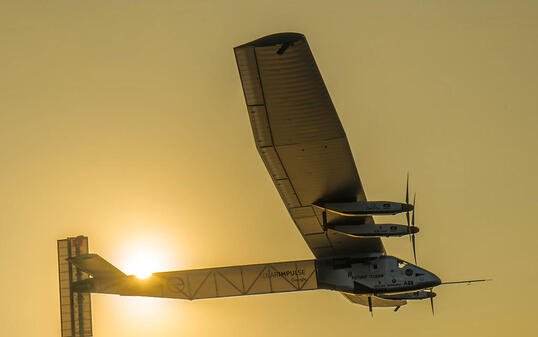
x: 301, y: 140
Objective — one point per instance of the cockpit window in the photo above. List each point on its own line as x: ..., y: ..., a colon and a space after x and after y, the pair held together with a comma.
x: 402, y: 264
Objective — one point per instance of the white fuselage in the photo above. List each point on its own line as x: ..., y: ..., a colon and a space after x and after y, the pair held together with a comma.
x: 384, y: 274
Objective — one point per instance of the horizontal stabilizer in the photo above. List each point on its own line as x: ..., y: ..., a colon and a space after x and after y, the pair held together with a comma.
x: 96, y: 266
x: 376, y: 301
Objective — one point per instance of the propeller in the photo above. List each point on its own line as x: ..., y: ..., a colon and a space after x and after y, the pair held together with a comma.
x: 407, y: 202
x: 413, y: 232
x: 370, y: 306
x: 410, y: 224
x: 432, y: 295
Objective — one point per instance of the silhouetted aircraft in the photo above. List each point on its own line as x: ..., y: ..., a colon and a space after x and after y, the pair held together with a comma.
x: 305, y: 150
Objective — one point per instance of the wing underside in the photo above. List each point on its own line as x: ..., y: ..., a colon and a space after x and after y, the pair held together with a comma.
x: 376, y: 301
x: 300, y: 139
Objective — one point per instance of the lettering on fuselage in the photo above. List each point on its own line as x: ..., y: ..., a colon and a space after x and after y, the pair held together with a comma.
x: 287, y: 273
x: 393, y: 283
x: 363, y: 276
x: 396, y: 284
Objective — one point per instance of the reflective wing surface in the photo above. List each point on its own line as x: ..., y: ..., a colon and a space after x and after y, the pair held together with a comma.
x: 300, y: 138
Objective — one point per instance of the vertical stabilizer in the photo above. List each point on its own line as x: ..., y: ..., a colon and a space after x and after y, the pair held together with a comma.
x: 75, y: 308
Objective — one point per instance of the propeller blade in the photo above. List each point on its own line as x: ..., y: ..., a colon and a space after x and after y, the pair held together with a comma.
x: 433, y: 310
x: 408, y: 225
x: 413, y: 225
x: 407, y: 202
x: 413, y: 219
x: 370, y: 305
x: 414, y: 249
x: 407, y: 190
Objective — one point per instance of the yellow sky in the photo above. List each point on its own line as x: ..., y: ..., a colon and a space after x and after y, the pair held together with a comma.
x: 125, y: 121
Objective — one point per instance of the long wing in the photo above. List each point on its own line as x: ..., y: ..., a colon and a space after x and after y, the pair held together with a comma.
x: 196, y: 284
x: 300, y: 138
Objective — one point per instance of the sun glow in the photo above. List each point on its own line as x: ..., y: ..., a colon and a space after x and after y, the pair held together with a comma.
x: 143, y: 270
x: 143, y: 259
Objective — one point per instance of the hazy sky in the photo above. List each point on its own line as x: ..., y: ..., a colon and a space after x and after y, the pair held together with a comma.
x: 125, y: 121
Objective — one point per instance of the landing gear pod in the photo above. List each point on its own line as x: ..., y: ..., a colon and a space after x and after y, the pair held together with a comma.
x: 75, y: 307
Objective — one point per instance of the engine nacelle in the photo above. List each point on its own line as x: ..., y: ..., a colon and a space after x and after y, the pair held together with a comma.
x: 365, y: 208
x: 373, y: 230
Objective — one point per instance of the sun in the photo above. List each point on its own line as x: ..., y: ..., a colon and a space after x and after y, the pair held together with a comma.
x: 140, y: 265
x: 143, y: 269
x: 142, y: 261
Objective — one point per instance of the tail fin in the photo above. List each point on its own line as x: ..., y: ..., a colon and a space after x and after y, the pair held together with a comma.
x: 75, y: 307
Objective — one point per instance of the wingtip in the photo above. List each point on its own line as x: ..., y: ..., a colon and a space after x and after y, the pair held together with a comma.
x: 274, y: 39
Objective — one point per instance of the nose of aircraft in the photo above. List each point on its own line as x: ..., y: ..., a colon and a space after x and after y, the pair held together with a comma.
x: 435, y: 280
x: 431, y: 280
x: 414, y: 230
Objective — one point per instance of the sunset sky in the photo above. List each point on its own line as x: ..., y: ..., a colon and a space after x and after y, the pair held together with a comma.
x: 125, y: 121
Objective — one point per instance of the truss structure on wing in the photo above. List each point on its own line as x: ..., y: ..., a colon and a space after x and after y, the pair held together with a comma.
x: 240, y: 280
x: 206, y: 283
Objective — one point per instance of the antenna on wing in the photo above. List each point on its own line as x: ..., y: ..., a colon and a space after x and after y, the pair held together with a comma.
x: 431, y: 294
x: 466, y: 282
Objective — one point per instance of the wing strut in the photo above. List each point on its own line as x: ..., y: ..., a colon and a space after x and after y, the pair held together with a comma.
x: 324, y: 216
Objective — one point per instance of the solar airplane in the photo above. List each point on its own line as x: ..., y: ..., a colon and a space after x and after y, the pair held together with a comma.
x: 303, y: 145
